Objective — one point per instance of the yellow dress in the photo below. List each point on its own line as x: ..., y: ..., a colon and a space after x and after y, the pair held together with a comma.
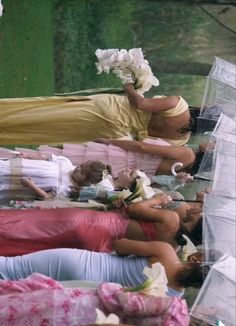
x: 71, y: 119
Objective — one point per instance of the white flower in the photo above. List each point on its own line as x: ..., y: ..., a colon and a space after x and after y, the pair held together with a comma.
x: 188, y: 249
x: 1, y: 8
x: 102, y: 319
x: 157, y: 275
x: 144, y: 183
x: 156, y: 284
x: 142, y: 189
x: 130, y: 66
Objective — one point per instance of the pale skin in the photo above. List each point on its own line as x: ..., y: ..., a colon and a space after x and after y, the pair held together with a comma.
x: 160, y: 126
x: 158, y: 252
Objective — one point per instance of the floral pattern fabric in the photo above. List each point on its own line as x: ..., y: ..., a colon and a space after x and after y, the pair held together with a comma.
x: 41, y: 301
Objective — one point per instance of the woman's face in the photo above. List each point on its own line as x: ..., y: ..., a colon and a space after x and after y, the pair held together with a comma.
x: 126, y: 177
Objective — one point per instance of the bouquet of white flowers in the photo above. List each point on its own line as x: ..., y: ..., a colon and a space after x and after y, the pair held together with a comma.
x: 1, y: 8
x: 130, y: 66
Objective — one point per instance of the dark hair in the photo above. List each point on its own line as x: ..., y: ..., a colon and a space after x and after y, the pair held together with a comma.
x: 194, y: 113
x: 193, y: 275
x: 196, y: 234
x: 193, y: 122
x: 179, y: 237
x: 193, y: 168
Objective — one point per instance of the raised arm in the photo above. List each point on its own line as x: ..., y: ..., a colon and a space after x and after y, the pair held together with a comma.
x: 148, y: 211
x: 157, y: 249
x: 173, y: 153
x: 150, y: 104
x: 34, y: 156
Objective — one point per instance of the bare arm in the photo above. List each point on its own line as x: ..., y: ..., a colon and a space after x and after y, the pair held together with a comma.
x: 34, y: 156
x: 156, y: 249
x: 176, y: 153
x: 147, y: 211
x: 150, y: 104
x: 29, y: 183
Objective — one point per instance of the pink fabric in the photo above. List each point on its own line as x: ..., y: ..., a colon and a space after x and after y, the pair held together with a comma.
x: 138, y: 309
x: 149, y: 230
x: 117, y: 157
x: 38, y: 300
x: 29, y: 230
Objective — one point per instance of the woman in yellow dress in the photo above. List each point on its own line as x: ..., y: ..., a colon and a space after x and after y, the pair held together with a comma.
x: 77, y: 119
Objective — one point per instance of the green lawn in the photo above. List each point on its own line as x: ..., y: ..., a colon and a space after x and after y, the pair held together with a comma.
x: 26, y: 48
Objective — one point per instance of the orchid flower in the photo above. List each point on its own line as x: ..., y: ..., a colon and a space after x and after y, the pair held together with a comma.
x: 1, y: 8
x: 130, y: 66
x: 102, y: 319
x: 156, y: 283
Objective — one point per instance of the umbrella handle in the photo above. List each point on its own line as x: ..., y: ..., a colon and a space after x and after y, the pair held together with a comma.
x: 174, y: 166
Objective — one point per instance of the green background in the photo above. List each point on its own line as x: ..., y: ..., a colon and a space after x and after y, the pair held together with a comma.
x: 47, y: 46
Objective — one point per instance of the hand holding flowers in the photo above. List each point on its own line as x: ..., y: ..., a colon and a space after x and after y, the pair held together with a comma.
x: 130, y: 66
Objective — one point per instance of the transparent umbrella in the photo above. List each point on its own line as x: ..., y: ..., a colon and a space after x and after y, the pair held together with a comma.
x: 219, y: 95
x: 216, y: 301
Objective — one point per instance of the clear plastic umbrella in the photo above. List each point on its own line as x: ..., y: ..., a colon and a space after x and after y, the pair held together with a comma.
x: 219, y: 95
x: 216, y: 302
x: 220, y: 153
x: 219, y: 227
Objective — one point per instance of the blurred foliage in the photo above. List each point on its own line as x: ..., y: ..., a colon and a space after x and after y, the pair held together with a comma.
x: 26, y: 49
x: 179, y: 40
x: 80, y: 28
x: 174, y: 37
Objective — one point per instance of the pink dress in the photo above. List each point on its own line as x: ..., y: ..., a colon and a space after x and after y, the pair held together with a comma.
x: 29, y: 230
x: 39, y: 300
x: 118, y: 158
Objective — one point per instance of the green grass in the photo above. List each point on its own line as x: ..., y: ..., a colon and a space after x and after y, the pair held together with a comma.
x: 26, y: 48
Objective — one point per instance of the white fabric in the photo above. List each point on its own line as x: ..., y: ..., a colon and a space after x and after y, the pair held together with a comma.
x: 53, y: 175
x: 106, y: 184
